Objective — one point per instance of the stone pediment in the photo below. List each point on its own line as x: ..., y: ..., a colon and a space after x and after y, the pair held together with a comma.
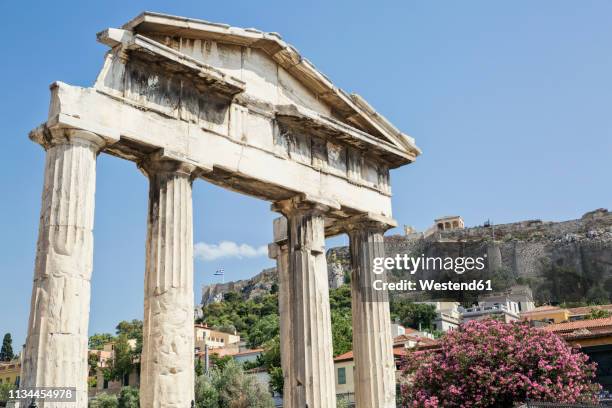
x: 240, y: 106
x: 219, y: 50
x: 175, y: 62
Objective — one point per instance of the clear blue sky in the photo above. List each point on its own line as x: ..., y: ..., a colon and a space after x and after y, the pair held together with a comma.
x: 510, y: 102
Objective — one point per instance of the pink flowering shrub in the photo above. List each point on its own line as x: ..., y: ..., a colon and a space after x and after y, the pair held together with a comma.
x: 493, y: 364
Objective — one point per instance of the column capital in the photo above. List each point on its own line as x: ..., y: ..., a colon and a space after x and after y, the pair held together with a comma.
x: 369, y: 221
x: 305, y: 203
x: 162, y: 161
x: 49, y: 137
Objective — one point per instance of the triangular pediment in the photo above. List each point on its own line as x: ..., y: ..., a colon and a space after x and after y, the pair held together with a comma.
x: 210, y: 44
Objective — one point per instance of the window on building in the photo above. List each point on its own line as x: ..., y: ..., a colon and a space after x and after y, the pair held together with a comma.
x: 17, y: 381
x: 342, y: 375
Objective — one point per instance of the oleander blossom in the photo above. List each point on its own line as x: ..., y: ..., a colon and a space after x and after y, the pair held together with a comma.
x: 488, y: 363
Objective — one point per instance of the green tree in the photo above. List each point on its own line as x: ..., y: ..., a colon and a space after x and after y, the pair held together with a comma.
x: 564, y: 284
x: 128, y: 398
x: 229, y: 387
x: 598, y: 314
x: 342, y: 331
x: 122, y: 363
x: 219, y: 362
x: 597, y: 295
x: 341, y: 320
x: 263, y: 330
x: 103, y: 400
x: 271, y: 357
x: 132, y: 330
x: 206, y: 395
x: 227, y: 328
x: 238, y: 313
x: 340, y: 298
x: 92, y: 361
x: 277, y: 381
x: 343, y: 403
x: 415, y: 315
x: 5, y: 389
x: 92, y: 382
x: 98, y: 340
x: 232, y: 297
x: 198, y: 367
x: 6, y: 352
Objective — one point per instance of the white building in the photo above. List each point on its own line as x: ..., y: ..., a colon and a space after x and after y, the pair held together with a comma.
x: 523, y: 295
x: 214, y: 339
x: 397, y: 330
x: 494, y: 307
x: 447, y: 315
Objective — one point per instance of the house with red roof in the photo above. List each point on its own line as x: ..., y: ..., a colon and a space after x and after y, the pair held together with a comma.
x: 592, y: 337
x: 344, y: 364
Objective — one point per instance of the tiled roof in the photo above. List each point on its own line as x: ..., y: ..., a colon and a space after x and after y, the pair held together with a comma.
x: 541, y: 309
x: 414, y: 338
x: 221, y: 352
x: 587, y: 309
x: 586, y: 334
x: 579, y: 324
x: 348, y: 356
x: 247, y: 352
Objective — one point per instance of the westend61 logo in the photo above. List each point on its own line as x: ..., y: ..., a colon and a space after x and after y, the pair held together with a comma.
x: 443, y: 273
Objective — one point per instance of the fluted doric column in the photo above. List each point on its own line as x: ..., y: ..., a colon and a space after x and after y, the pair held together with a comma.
x: 309, y: 356
x: 167, y: 365
x: 372, y: 338
x: 279, y: 250
x: 55, y: 354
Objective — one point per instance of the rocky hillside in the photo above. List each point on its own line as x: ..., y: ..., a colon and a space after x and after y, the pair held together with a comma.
x: 262, y: 283
x: 568, y: 261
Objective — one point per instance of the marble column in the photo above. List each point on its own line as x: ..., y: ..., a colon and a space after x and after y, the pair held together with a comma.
x: 55, y: 353
x: 279, y: 250
x: 372, y: 338
x: 167, y: 363
x: 311, y: 369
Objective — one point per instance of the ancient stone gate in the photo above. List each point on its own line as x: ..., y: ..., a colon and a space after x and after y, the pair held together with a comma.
x: 187, y: 99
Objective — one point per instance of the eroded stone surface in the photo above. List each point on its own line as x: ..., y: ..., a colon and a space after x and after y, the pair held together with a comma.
x: 279, y: 250
x: 372, y: 338
x: 167, y: 363
x: 55, y: 354
x: 305, y: 313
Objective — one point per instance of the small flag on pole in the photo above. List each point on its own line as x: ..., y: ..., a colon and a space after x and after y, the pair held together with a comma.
x: 220, y: 272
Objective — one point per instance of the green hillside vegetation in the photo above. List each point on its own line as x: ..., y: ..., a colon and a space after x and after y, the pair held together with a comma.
x: 257, y: 322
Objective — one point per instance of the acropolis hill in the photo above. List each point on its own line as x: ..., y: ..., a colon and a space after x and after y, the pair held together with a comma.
x: 526, y: 249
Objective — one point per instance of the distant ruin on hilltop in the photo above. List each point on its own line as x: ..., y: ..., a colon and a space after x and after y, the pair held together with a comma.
x: 577, y: 252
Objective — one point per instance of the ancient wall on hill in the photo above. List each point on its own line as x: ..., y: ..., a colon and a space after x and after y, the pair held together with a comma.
x: 561, y: 261
x: 571, y: 260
